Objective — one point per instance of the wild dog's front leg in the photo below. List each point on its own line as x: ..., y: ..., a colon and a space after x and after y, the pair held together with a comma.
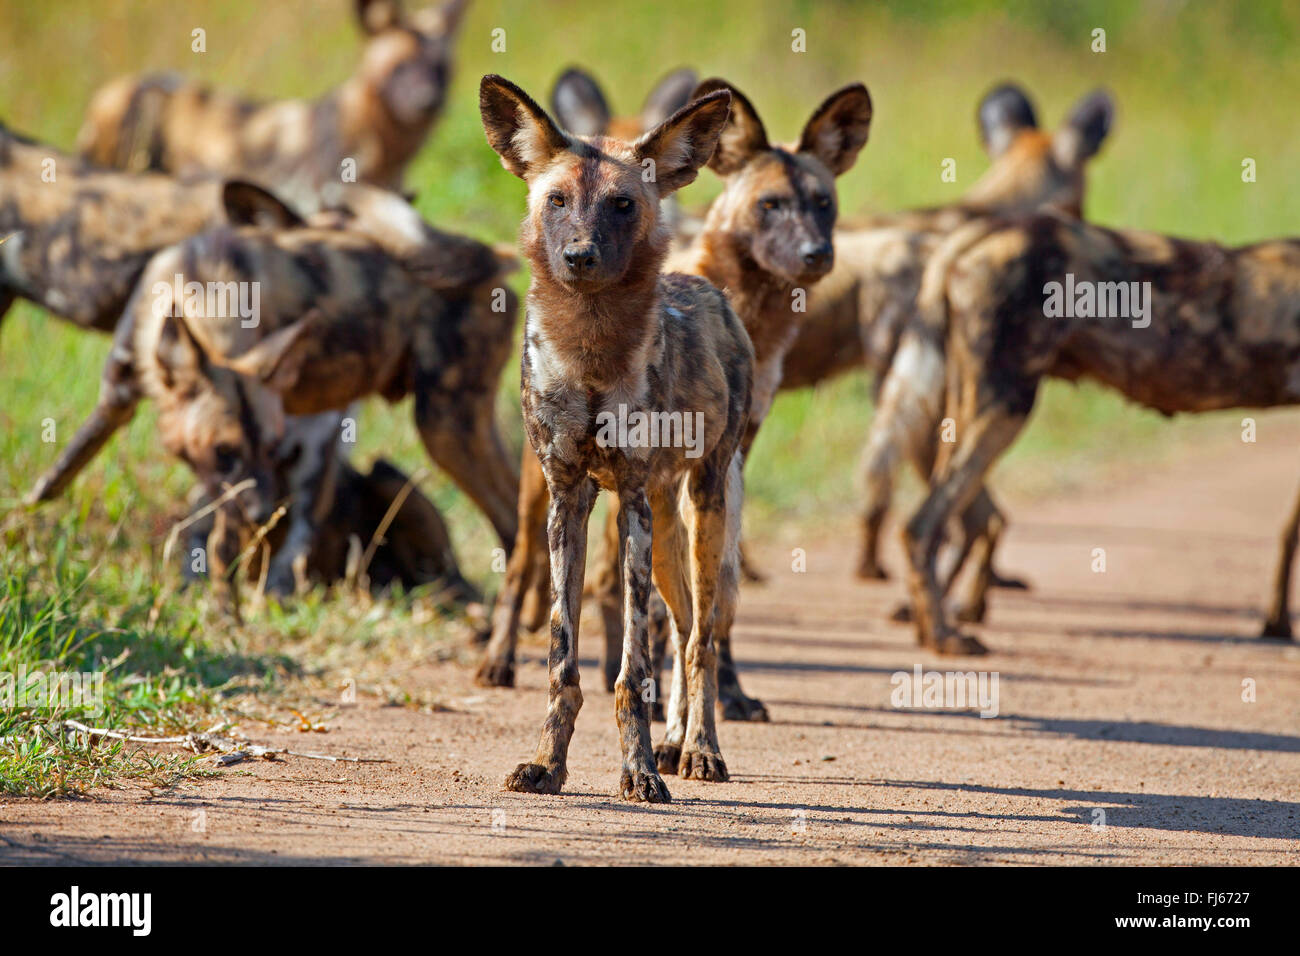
x: 701, y: 753
x: 524, y: 567
x: 572, y: 498
x: 223, y: 552
x: 119, y: 393
x: 312, y: 463
x: 1278, y: 624
x: 639, y: 780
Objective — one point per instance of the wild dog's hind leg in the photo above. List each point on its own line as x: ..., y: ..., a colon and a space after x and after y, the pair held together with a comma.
x: 953, y: 488
x: 572, y: 498
x: 1278, y: 624
x: 710, y: 486
x: 639, y: 780
x: 735, y: 703
x: 671, y: 577
x: 522, y: 571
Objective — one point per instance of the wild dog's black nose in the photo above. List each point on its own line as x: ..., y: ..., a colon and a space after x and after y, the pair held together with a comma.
x: 580, y: 256
x: 817, y: 255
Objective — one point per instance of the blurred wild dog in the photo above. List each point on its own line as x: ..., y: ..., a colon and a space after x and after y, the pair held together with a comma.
x: 605, y: 332
x: 378, y: 118
x: 861, y: 308
x: 1176, y: 325
x: 766, y: 235
x: 76, y: 238
x: 343, y: 315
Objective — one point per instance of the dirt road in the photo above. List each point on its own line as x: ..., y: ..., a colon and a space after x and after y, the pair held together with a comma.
x: 1122, y: 735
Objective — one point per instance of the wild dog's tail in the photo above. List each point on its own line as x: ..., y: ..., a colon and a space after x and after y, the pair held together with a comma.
x: 910, y: 408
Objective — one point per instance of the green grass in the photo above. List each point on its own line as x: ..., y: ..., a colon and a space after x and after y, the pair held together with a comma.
x: 1199, y: 86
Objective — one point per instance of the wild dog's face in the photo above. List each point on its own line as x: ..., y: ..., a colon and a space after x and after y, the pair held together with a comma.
x: 779, y: 204
x: 1032, y: 167
x: 407, y: 61
x: 225, y: 427
x: 593, y: 202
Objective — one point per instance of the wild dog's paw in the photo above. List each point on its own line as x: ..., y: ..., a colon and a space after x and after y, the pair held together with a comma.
x: 698, y: 765
x: 534, y: 778
x: 1007, y: 583
x: 959, y: 645
x: 667, y: 757
x: 1279, y: 630
x: 494, y: 673
x: 643, y: 786
x: 869, y: 570
x: 901, y: 614
x: 739, y: 707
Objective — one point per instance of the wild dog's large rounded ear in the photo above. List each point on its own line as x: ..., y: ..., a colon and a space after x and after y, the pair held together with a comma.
x: 177, y: 354
x: 440, y: 21
x: 668, y: 96
x: 377, y: 16
x: 1003, y: 113
x: 672, y: 153
x: 1083, y: 133
x: 743, y: 137
x: 517, y: 128
x: 838, y: 128
x: 276, y: 361
x: 578, y: 103
x: 248, y: 204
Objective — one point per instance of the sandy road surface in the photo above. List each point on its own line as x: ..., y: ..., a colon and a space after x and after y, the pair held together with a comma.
x: 1118, y: 692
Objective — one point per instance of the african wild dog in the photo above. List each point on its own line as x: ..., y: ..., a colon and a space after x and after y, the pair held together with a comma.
x: 766, y: 235
x: 603, y: 328
x: 862, y: 307
x: 1183, y: 326
x: 581, y: 108
x: 343, y: 315
x: 378, y: 118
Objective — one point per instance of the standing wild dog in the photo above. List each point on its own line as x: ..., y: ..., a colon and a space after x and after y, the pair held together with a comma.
x: 1177, y: 325
x: 605, y: 332
x: 767, y: 235
x: 342, y: 315
x: 581, y: 108
x: 378, y: 118
x: 863, y: 306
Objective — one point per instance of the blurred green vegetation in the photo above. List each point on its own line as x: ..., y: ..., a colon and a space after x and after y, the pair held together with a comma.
x: 1200, y: 84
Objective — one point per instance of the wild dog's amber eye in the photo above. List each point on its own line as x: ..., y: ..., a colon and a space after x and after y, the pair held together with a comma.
x: 823, y: 202
x: 557, y: 200
x: 768, y: 203
x: 622, y: 203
